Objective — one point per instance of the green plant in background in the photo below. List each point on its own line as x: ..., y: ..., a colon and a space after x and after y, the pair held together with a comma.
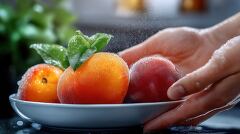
x: 24, y: 22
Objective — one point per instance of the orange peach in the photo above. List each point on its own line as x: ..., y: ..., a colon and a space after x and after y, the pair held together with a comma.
x: 102, y: 79
x: 39, y: 84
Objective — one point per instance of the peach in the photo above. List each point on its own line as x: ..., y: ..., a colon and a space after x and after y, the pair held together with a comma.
x: 39, y: 84
x: 102, y: 79
x: 150, y: 79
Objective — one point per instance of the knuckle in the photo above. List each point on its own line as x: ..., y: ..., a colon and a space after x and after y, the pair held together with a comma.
x: 191, y: 101
x: 225, y: 56
x: 218, y: 61
x: 192, y: 83
x: 215, y: 103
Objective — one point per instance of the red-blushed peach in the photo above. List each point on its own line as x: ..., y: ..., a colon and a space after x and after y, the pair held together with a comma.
x: 150, y: 79
x: 39, y: 84
x: 102, y: 79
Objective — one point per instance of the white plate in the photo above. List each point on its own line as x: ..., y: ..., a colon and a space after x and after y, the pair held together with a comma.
x: 89, y: 116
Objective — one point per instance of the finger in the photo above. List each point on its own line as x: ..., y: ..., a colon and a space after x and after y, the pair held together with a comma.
x: 146, y: 48
x: 199, y: 119
x: 200, y: 103
x: 218, y: 67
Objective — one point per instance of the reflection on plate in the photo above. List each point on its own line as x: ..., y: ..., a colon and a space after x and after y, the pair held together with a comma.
x: 89, y: 116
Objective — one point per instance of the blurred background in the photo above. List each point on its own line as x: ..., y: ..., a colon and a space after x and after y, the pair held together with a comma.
x: 23, y: 22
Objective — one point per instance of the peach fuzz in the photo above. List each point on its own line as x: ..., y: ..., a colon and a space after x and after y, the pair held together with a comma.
x: 102, y: 79
x: 150, y: 79
x: 39, y: 84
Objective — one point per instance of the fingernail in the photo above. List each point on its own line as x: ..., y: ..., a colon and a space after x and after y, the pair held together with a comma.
x: 177, y: 92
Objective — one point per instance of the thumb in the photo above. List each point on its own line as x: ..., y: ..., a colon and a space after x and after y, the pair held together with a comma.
x: 223, y: 63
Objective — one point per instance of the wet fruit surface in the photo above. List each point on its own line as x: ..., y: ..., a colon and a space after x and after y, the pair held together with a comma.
x: 102, y: 79
x: 39, y: 84
x: 150, y: 79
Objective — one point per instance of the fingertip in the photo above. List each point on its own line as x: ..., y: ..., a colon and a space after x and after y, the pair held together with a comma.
x: 149, y: 128
x: 133, y: 54
x: 124, y: 55
x: 176, y: 92
x: 158, y: 123
x: 146, y: 129
x: 154, y: 126
x: 121, y: 53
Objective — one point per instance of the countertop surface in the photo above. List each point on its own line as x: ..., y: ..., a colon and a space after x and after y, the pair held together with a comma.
x: 226, y: 122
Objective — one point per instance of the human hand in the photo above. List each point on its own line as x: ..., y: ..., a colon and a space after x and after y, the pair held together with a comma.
x: 212, y: 88
x: 187, y: 48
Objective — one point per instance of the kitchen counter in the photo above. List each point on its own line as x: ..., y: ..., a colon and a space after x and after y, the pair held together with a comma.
x: 222, y: 123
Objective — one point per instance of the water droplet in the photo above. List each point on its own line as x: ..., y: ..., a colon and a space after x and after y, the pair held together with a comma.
x: 19, y: 123
x: 36, y: 126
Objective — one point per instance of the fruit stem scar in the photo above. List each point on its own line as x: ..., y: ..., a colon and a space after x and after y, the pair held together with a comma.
x: 44, y: 80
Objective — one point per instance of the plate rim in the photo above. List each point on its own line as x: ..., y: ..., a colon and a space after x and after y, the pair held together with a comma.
x: 12, y: 97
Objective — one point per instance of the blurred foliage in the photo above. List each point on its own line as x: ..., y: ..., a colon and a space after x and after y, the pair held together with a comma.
x: 24, y: 22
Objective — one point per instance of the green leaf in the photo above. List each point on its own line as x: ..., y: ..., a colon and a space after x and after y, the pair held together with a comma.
x: 77, y: 46
x: 42, y: 20
x: 88, y: 53
x: 36, y: 34
x: 52, y: 54
x: 81, y: 47
x: 100, y: 40
x: 6, y: 14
